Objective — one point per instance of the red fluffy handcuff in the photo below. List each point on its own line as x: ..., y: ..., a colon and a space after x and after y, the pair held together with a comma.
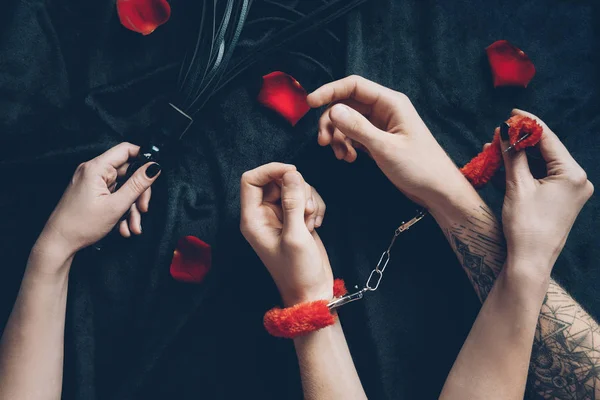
x: 308, y: 317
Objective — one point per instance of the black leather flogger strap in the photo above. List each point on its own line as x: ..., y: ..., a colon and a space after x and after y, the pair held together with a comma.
x: 317, y: 19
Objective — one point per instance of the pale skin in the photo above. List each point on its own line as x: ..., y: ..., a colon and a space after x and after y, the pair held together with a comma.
x: 32, y: 345
x: 279, y: 215
x: 277, y: 212
x: 537, y: 216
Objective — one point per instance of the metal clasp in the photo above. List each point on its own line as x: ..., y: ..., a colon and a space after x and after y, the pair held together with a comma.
x: 406, y: 225
x: 335, y: 303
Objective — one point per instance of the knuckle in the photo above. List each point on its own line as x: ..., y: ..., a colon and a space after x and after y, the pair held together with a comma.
x: 402, y: 97
x: 578, y: 177
x: 290, y: 203
x: 589, y: 189
x: 136, y: 185
x: 244, y: 177
x: 81, y: 168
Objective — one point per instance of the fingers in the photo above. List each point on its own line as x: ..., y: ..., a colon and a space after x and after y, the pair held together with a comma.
x: 351, y: 87
x: 315, y: 209
x: 552, y: 149
x: 135, y: 186
x: 253, y: 183
x: 355, y: 126
x: 293, y: 203
x: 320, y: 209
x: 326, y: 127
x: 122, y: 170
x: 515, y: 162
x: 339, y: 145
x: 124, y: 229
x: 135, y: 220
x: 118, y: 155
x: 143, y: 202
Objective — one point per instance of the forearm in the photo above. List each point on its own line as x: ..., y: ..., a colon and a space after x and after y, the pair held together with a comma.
x: 474, y: 234
x: 31, y: 348
x: 326, y: 365
x: 565, y: 362
x: 494, y: 359
x: 476, y: 237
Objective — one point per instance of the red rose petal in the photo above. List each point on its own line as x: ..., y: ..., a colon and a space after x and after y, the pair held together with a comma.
x: 143, y: 16
x: 283, y: 94
x: 191, y: 260
x: 510, y: 65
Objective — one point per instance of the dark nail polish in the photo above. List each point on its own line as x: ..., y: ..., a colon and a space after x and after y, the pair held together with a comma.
x: 504, y: 131
x: 153, y: 170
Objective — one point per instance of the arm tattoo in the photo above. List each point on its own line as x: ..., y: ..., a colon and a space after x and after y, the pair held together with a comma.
x: 480, y: 247
x: 565, y: 360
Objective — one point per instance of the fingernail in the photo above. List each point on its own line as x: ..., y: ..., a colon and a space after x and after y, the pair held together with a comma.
x: 504, y: 127
x: 153, y: 170
x: 318, y: 221
x: 339, y: 111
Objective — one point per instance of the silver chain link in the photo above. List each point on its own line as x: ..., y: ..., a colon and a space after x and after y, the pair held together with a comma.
x: 377, y: 273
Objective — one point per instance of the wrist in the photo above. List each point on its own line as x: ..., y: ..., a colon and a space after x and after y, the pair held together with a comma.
x: 527, y: 277
x: 455, y: 203
x: 292, y: 297
x: 52, y: 241
x: 50, y: 256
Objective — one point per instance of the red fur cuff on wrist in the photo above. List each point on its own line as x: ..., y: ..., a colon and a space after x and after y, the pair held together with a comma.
x: 302, y: 318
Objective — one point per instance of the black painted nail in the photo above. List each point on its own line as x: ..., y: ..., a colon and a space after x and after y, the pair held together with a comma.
x: 504, y: 131
x: 153, y: 170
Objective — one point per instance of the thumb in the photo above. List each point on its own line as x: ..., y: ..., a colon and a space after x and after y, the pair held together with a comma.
x: 293, y: 202
x: 355, y: 126
x: 137, y: 184
x: 515, y: 162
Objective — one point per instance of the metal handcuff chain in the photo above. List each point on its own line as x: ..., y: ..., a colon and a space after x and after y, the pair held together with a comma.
x: 374, y: 279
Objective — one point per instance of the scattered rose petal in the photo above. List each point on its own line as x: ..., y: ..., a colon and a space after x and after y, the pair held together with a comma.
x: 191, y: 260
x: 283, y: 94
x: 143, y: 16
x: 510, y: 65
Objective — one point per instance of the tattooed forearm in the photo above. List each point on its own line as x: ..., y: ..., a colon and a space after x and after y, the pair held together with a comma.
x: 565, y: 361
x: 480, y: 248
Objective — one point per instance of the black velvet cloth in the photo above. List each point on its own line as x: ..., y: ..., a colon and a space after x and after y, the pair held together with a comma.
x: 74, y: 82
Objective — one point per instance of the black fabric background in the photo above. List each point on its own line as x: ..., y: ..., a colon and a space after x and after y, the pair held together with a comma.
x: 73, y: 82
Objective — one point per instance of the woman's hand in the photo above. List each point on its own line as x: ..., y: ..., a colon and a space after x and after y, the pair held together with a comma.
x: 538, y: 213
x: 88, y: 210
x: 278, y: 216
x: 385, y: 123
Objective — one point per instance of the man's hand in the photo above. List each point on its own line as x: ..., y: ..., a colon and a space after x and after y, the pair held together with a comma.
x: 278, y: 216
x: 88, y: 210
x: 538, y: 213
x: 386, y: 124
